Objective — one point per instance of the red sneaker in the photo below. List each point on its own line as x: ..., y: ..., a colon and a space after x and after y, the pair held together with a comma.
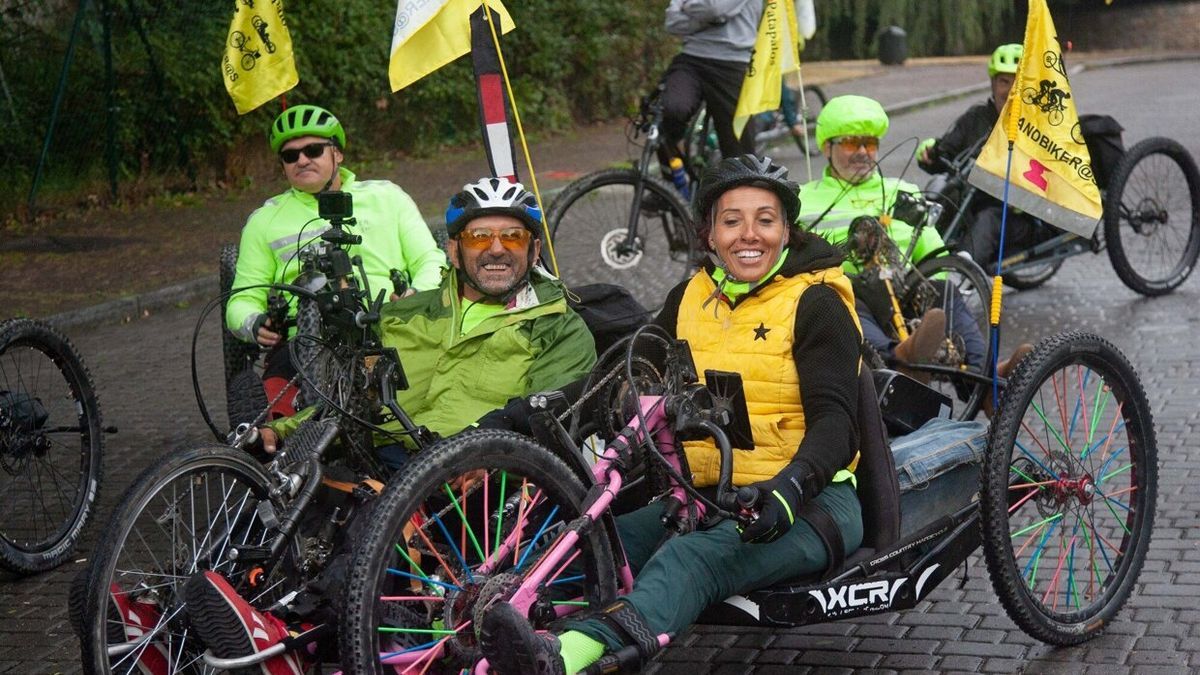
x: 231, y: 628
x: 129, y: 619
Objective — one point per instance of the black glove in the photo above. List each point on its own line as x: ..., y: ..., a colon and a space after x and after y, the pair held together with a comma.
x: 780, y: 500
x: 514, y: 416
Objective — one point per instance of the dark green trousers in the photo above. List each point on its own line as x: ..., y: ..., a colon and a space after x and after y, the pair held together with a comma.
x: 675, y: 581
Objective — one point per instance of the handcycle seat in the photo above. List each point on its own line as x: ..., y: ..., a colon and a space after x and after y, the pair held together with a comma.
x: 878, y: 493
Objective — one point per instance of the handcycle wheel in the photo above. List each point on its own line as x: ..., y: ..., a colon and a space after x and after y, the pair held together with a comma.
x: 244, y: 395
x: 191, y: 511
x: 589, y: 224
x: 1152, y: 216
x: 1031, y: 276
x: 966, y: 346
x: 418, y: 583
x: 1069, y: 486
x: 51, y: 446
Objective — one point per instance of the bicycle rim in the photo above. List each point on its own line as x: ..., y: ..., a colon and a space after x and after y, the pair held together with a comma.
x: 50, y: 446
x: 442, y: 549
x: 1069, y: 489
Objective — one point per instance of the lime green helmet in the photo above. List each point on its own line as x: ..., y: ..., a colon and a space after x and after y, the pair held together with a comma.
x: 1005, y: 59
x: 851, y: 116
x: 305, y: 120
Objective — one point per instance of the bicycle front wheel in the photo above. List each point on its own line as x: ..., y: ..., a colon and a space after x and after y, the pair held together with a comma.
x: 1152, y: 216
x: 51, y: 446
x: 1069, y: 485
x: 464, y: 528
x: 205, y: 508
x: 601, y: 235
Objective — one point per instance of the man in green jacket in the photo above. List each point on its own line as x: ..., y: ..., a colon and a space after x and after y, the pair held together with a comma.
x: 497, y: 328
x: 310, y: 141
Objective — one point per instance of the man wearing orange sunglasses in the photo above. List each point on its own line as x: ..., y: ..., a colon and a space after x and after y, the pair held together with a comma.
x: 497, y: 328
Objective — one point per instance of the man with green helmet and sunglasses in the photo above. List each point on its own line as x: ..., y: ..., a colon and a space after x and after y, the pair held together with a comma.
x: 310, y: 142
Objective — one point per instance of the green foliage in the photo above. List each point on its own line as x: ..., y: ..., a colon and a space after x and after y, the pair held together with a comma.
x: 847, y: 29
x: 570, y: 61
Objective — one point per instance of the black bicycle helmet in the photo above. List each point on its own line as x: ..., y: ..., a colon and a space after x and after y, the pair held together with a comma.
x: 493, y: 196
x: 750, y: 170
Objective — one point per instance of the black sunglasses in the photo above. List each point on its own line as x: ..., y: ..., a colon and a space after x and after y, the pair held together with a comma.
x: 311, y: 151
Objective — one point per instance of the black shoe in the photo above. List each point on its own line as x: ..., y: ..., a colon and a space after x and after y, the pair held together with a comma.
x: 513, y: 647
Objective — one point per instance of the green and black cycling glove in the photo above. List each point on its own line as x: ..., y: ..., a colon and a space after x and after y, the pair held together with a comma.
x: 780, y: 499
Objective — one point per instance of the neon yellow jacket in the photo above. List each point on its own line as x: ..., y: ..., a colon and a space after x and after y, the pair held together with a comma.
x: 872, y: 197
x: 394, y: 236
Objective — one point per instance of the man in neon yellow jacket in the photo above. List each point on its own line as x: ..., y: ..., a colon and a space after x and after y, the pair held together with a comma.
x: 309, y: 141
x: 849, y: 130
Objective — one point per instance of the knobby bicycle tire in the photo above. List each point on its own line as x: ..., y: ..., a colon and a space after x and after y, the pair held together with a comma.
x: 589, y: 223
x: 1069, y: 488
x: 49, y: 484
x: 436, y: 569
x: 1140, y: 208
x: 150, y: 566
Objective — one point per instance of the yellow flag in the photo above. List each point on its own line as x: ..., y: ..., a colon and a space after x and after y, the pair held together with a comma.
x: 776, y: 52
x: 1051, y: 175
x: 258, y: 64
x: 429, y: 34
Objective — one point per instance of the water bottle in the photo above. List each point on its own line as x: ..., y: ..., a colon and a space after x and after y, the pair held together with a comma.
x: 679, y: 177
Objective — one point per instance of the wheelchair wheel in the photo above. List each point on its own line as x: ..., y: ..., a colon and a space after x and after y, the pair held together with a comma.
x: 244, y: 395
x: 200, y: 509
x: 461, y: 529
x: 1069, y: 487
x: 589, y: 224
x: 957, y: 286
x: 51, y: 446
x: 1152, y: 216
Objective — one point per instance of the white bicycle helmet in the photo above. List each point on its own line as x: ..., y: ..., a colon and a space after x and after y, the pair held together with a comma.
x: 493, y: 196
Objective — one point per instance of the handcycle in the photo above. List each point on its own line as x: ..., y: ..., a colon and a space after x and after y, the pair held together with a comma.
x: 216, y: 507
x: 51, y: 446
x: 1151, y: 220
x: 1064, y: 514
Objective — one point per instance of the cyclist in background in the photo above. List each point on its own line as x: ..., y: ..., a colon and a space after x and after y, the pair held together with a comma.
x: 849, y: 130
x: 310, y: 143
x: 718, y: 36
x: 981, y: 239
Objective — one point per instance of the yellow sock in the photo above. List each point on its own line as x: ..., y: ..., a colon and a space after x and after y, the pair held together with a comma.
x: 579, y: 651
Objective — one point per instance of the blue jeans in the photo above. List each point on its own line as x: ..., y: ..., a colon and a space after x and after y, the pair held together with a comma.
x: 938, y: 469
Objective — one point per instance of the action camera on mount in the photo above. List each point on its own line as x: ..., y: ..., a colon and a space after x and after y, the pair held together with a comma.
x: 335, y: 205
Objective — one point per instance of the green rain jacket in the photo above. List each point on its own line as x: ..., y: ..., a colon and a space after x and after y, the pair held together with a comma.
x: 537, y: 344
x: 394, y: 236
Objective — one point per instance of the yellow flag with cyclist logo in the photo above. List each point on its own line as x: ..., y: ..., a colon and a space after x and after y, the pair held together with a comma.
x: 1051, y: 175
x: 776, y: 53
x: 257, y: 65
x: 428, y: 34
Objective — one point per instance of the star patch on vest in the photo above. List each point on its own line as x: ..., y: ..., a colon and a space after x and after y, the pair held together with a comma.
x: 760, y: 333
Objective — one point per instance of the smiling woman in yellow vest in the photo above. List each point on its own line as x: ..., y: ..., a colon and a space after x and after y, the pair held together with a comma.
x: 774, y: 305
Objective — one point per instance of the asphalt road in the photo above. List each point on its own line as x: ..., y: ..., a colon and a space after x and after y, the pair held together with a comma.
x: 142, y: 375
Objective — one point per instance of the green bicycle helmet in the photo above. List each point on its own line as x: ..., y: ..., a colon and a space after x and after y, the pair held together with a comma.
x: 1005, y: 59
x: 305, y: 120
x: 851, y: 116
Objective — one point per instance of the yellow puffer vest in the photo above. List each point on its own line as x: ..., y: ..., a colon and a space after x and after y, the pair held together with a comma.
x: 756, y: 341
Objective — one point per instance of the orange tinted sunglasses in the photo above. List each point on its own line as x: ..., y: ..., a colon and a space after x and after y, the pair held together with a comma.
x: 852, y: 143
x: 511, y: 238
